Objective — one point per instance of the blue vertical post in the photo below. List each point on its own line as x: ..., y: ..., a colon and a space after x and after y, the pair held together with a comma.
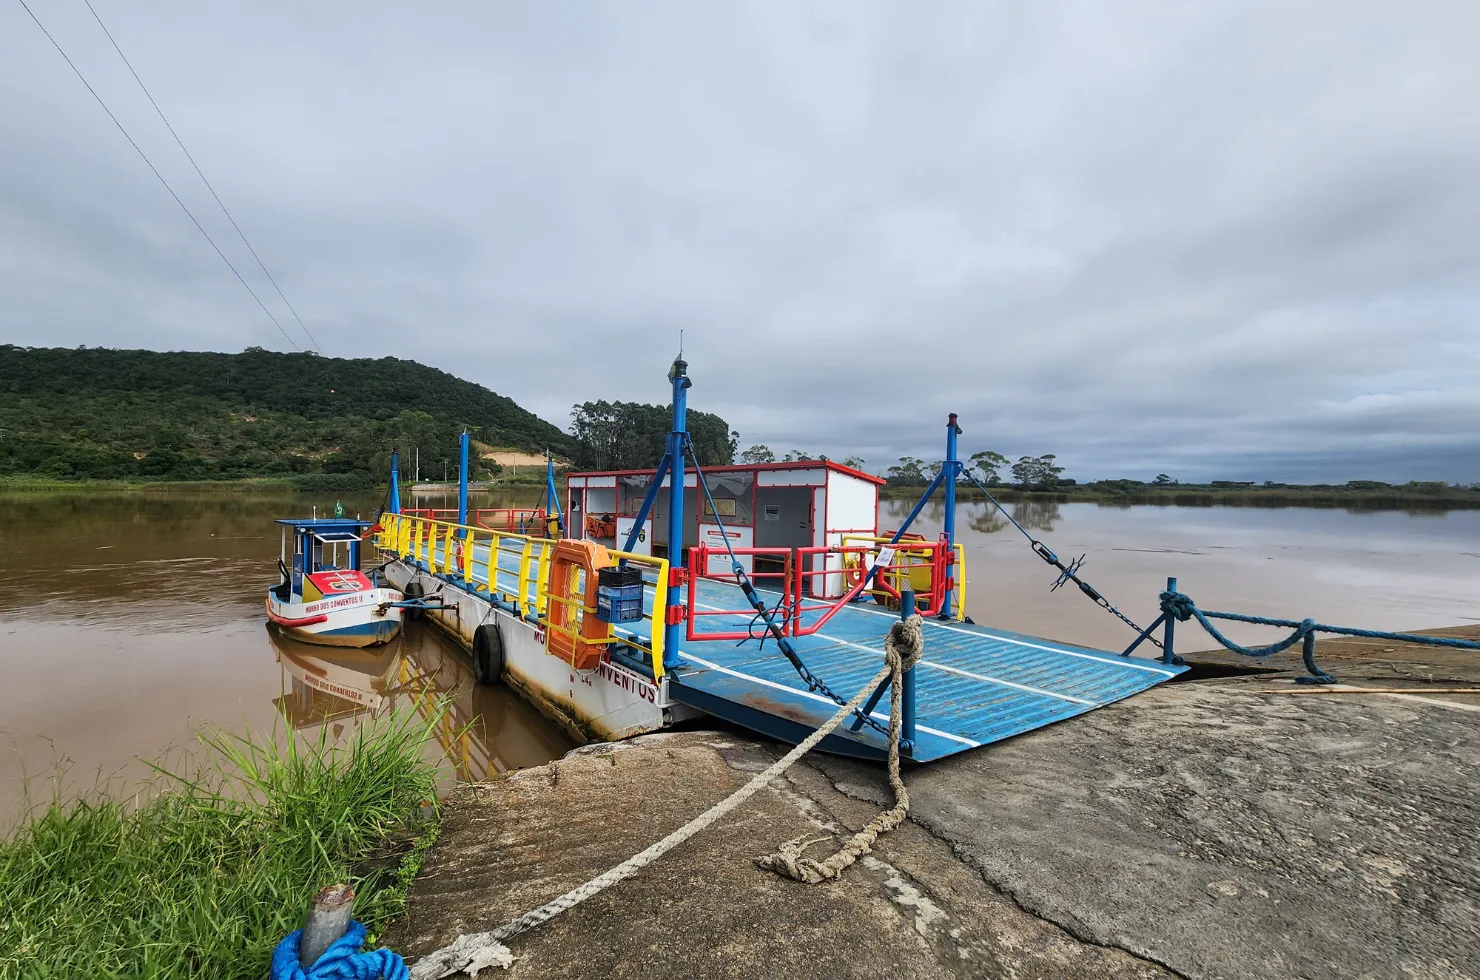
x: 907, y: 689
x: 462, y: 479
x: 1167, y: 657
x: 395, y: 491
x: 673, y: 631
x: 550, y: 492
x: 639, y: 520
x: 950, y: 471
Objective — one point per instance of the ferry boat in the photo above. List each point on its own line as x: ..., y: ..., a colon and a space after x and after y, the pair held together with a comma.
x: 758, y: 594
x: 323, y: 597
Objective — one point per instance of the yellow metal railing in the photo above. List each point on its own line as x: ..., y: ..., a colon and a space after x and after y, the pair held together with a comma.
x: 448, y: 548
x: 960, y: 582
x: 659, y: 616
x: 918, y: 554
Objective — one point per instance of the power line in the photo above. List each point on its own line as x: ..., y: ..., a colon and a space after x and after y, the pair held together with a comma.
x: 157, y: 174
x: 202, y: 176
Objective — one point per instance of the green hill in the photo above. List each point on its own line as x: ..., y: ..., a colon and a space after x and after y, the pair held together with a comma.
x: 95, y: 413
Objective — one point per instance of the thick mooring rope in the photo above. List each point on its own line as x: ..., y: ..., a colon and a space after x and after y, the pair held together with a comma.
x: 902, y: 649
x: 473, y: 952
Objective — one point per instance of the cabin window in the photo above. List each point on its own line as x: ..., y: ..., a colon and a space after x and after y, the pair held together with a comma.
x: 725, y: 505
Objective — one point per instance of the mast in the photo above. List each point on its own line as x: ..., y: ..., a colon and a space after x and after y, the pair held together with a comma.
x: 673, y: 632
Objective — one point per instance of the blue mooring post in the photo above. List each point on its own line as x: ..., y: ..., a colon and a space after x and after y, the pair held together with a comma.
x: 907, y: 689
x: 951, y: 472
x: 395, y: 491
x: 551, y: 493
x: 462, y: 480
x: 673, y: 631
x: 1167, y: 657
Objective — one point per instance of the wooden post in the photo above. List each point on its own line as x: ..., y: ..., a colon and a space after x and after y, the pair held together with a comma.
x: 328, y: 919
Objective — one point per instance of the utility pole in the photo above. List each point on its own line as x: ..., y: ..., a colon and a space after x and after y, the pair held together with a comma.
x: 418, y: 465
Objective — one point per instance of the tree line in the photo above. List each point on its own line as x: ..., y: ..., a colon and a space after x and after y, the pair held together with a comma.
x: 631, y: 435
x: 1028, y: 473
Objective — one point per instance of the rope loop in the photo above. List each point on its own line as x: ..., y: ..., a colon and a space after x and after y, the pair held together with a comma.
x: 1183, y: 608
x: 902, y: 650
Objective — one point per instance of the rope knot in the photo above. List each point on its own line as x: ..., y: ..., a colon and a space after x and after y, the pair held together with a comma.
x: 1177, y: 605
x: 904, y: 644
x: 902, y: 649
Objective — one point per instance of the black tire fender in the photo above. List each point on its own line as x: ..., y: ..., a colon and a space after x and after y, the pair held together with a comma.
x: 414, y: 590
x: 488, y: 654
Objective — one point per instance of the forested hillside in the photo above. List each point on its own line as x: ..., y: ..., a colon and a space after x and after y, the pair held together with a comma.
x: 132, y: 414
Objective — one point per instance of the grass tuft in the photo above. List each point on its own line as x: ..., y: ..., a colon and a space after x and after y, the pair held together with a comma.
x: 208, y: 874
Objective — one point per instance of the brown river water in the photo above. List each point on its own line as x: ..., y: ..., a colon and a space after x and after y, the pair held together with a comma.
x: 129, y: 620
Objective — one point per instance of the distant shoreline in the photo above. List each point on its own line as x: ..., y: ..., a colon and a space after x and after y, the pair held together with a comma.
x: 307, y: 483
x: 1204, y: 496
x: 1183, y: 495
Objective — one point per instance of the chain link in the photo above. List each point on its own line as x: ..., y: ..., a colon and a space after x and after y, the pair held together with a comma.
x: 1070, y: 573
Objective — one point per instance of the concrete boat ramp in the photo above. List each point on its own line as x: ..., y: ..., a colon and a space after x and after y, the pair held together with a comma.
x: 1206, y: 828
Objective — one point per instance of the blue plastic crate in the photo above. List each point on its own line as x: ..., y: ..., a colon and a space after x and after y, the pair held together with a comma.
x: 619, y: 603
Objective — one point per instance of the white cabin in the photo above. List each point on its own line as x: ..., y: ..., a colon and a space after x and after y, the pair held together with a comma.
x: 761, y: 505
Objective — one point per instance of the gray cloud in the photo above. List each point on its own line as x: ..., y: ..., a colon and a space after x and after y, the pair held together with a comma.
x: 1223, y: 240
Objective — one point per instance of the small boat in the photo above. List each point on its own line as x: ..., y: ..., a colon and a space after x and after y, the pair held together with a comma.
x: 323, y: 597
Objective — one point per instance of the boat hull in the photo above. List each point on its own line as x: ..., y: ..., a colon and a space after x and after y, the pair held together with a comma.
x: 359, y: 619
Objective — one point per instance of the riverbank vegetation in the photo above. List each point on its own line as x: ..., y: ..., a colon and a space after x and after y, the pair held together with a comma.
x: 1357, y: 495
x: 1041, y: 478
x: 318, y: 423
x: 312, y: 482
x: 630, y: 436
x: 204, y: 877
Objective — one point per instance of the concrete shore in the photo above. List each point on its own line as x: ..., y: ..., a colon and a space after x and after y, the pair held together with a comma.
x: 1202, y: 829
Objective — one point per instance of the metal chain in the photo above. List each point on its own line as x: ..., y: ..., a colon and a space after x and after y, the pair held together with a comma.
x: 814, y: 683
x: 1067, y: 573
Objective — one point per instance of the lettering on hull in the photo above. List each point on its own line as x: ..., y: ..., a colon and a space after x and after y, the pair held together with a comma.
x: 340, y: 602
x: 632, y: 683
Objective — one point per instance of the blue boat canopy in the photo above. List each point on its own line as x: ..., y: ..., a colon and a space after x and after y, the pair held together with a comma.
x: 326, y: 523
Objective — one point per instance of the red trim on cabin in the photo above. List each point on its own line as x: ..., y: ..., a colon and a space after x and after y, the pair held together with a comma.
x: 808, y: 464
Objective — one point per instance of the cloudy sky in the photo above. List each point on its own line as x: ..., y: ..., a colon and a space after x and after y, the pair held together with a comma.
x: 1219, y: 240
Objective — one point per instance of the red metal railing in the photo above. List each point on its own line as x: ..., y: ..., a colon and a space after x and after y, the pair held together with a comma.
x: 699, y: 568
x: 511, y: 520
x: 432, y: 513
x: 514, y: 520
x: 799, y: 582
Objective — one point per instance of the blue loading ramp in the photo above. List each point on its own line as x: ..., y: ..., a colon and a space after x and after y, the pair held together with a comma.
x: 974, y: 685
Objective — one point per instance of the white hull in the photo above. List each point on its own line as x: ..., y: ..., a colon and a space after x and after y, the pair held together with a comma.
x: 610, y: 702
x: 357, y: 619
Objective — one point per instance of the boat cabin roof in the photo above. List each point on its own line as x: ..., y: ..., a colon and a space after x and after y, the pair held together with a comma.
x: 325, y: 523
x: 327, y: 530
x: 809, y: 464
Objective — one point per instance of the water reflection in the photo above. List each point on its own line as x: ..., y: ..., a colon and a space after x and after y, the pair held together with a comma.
x: 479, y: 730
x: 1038, y: 515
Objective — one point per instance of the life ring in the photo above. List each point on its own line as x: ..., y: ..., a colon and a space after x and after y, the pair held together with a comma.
x: 572, y: 631
x: 853, y: 574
